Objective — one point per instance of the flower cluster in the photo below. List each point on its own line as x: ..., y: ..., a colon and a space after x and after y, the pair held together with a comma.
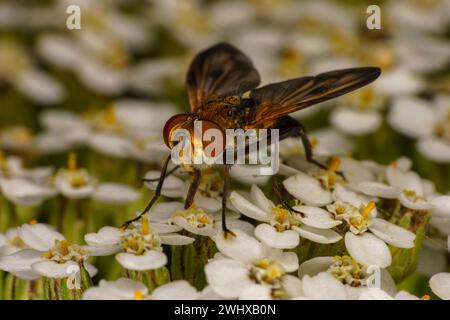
x: 82, y: 114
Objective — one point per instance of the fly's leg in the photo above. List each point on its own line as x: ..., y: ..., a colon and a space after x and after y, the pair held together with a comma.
x: 276, y: 190
x: 167, y: 174
x: 226, y: 180
x: 193, y: 187
x: 155, y: 196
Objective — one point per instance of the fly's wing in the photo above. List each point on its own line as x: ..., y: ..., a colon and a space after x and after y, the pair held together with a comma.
x: 278, y: 99
x: 219, y: 71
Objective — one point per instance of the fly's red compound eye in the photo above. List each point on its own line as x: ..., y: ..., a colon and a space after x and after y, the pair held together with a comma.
x: 176, y: 122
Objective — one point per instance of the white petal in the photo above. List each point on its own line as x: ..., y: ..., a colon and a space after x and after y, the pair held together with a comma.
x: 314, y: 266
x: 435, y: 149
x: 392, y: 234
x: 256, y: 292
x: 378, y: 189
x: 173, y: 186
x: 317, y: 217
x: 241, y: 247
x: 162, y: 228
x: 39, y: 236
x: 24, y: 192
x: 148, y: 261
x: 183, y: 223
x: 307, y: 189
x: 440, y: 284
x: 175, y: 239
x: 228, y: 278
x: 355, y: 122
x: 163, y: 211
x: 260, y: 199
x: 39, y: 86
x: 176, y: 290
x: 324, y: 236
x: 293, y: 286
x: 368, y: 249
x: 323, y: 287
x: 267, y: 234
x: 246, y: 207
x: 106, y: 235
x: 440, y: 206
x: 52, y: 269
x: 403, y: 295
x: 374, y: 294
x: 19, y: 261
x: 115, y: 193
x: 245, y: 226
x: 287, y: 259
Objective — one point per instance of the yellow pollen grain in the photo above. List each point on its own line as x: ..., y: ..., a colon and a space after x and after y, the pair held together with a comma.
x: 138, y: 295
x: 33, y: 221
x: 72, y: 161
x: 368, y: 209
x: 109, y: 117
x: 334, y: 165
x: 425, y: 297
x: 145, y: 227
x: 64, y: 244
x: 314, y: 142
x: 263, y: 263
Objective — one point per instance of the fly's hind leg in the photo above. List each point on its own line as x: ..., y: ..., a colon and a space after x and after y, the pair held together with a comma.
x: 308, y: 147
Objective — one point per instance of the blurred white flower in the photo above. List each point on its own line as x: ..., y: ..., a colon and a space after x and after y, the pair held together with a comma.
x: 430, y: 124
x: 115, y: 193
x: 74, y: 183
x: 358, y: 113
x: 17, y: 68
x: 24, y: 192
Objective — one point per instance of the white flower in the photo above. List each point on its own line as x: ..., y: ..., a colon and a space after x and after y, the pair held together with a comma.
x: 10, y: 242
x: 398, y: 82
x: 314, y: 189
x: 359, y: 112
x: 248, y: 270
x: 355, y: 277
x: 360, y: 216
x: 138, y: 248
x: 127, y: 289
x: 115, y: 193
x: 429, y: 123
x: 17, y: 68
x: 48, y: 254
x: 404, y: 185
x: 281, y: 228
x: 74, y: 183
x: 120, y: 289
x: 12, y: 167
x: 440, y: 284
x: 16, y: 139
x: 24, y: 192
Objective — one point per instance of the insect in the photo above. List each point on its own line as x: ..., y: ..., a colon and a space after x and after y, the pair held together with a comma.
x: 222, y: 85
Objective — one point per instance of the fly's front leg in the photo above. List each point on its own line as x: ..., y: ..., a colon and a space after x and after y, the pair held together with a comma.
x: 167, y: 174
x: 155, y: 196
x: 226, y: 180
x: 193, y: 187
